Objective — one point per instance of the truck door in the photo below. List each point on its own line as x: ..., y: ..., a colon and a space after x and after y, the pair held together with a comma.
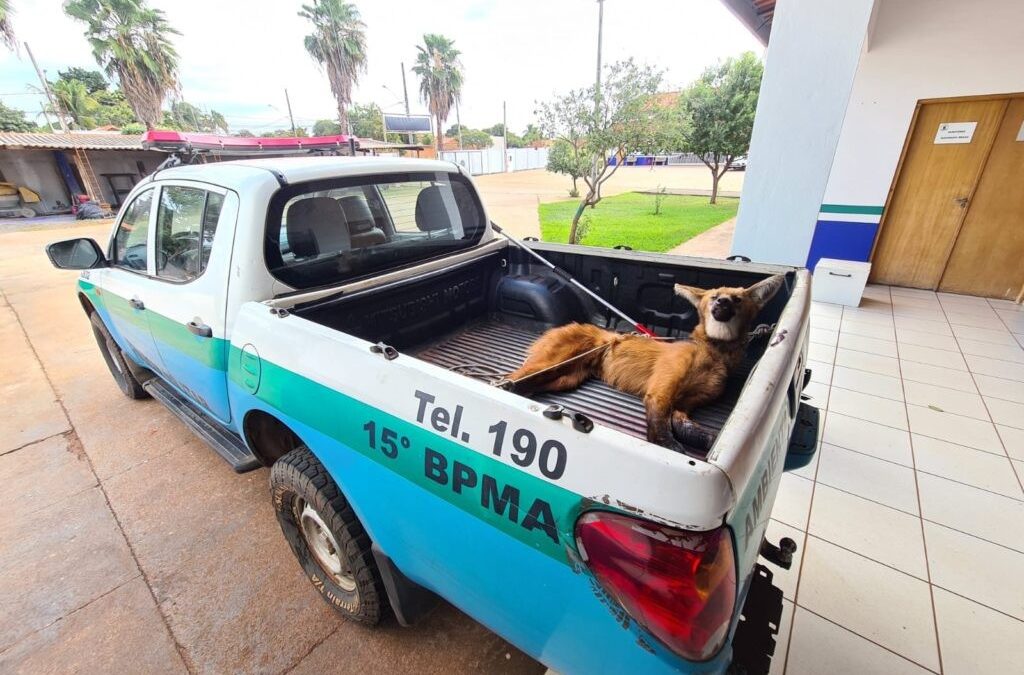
x: 123, y: 284
x: 187, y: 301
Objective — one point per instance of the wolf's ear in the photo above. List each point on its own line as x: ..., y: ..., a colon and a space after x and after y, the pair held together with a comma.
x: 690, y: 293
x: 765, y: 290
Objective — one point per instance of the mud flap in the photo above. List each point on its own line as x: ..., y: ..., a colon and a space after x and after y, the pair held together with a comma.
x: 803, y: 442
x: 753, y: 646
x: 409, y: 601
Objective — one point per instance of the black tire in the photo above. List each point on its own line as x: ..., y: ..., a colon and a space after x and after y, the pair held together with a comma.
x: 116, y: 362
x: 298, y: 482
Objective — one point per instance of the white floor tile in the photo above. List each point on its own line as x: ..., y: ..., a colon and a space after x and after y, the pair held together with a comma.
x: 1006, y: 413
x: 1013, y: 441
x: 823, y: 353
x: 873, y: 363
x: 966, y: 304
x: 868, y: 407
x: 997, y: 387
x: 868, y: 316
x: 875, y: 479
x: 920, y: 313
x: 940, y: 327
x: 972, y: 319
x: 933, y: 357
x: 962, y: 507
x: 816, y: 394
x: 778, y: 665
x: 993, y: 351
x: 868, y: 438
x: 985, y: 470
x: 868, y: 383
x: 957, y: 429
x: 820, y: 646
x: 1012, y: 319
x: 996, y: 335
x: 820, y: 371
x: 867, y: 344
x: 870, y: 599
x: 913, y: 292
x: 826, y: 322
x: 943, y: 377
x: 1001, y: 303
x: 875, y: 531
x: 995, y: 367
x: 866, y: 329
x: 976, y: 569
x: 916, y: 301
x: 905, y: 336
x: 823, y: 337
x: 793, y: 501
x: 826, y: 308
x: 811, y: 470
x: 946, y: 400
x: 785, y: 579
x: 1019, y: 337
x: 975, y: 639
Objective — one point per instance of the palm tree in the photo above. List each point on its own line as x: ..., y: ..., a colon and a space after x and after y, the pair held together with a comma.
x: 132, y: 42
x: 6, y: 29
x: 338, y: 45
x: 75, y: 101
x: 440, y: 72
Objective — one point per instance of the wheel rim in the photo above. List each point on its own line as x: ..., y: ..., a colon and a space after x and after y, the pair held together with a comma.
x: 321, y: 543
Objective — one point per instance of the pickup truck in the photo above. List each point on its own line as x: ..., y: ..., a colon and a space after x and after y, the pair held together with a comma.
x: 344, y: 322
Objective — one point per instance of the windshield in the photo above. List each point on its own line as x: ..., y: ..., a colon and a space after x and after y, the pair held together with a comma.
x: 325, y: 232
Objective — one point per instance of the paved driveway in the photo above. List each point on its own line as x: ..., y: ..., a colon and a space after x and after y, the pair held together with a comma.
x: 128, y: 546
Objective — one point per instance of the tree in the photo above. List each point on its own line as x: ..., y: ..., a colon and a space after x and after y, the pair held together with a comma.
x: 92, y: 79
x: 338, y: 45
x: 244, y: 133
x: 532, y: 134
x: 514, y: 140
x: 75, y: 102
x: 6, y: 28
x: 12, y: 119
x: 717, y: 112
x: 326, y: 128
x: 184, y: 116
x: 367, y: 121
x: 453, y: 130
x: 133, y: 43
x: 618, y: 119
x: 564, y: 157
x: 496, y: 129
x: 476, y: 139
x: 300, y: 132
x: 440, y: 73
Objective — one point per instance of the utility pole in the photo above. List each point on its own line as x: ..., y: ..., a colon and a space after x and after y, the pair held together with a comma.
x: 405, y: 92
x: 600, y: 30
x: 42, y: 109
x: 458, y: 122
x: 288, y: 101
x: 46, y: 90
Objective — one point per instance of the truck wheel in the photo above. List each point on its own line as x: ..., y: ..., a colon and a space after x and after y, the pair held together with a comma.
x: 326, y: 536
x: 129, y: 386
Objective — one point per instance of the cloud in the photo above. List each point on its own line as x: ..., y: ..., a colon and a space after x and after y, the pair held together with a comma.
x: 239, y: 58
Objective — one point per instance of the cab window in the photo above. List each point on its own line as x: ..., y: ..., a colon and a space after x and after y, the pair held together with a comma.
x: 130, y: 240
x: 186, y: 222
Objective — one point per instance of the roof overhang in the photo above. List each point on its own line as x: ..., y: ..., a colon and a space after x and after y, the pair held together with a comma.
x: 756, y: 15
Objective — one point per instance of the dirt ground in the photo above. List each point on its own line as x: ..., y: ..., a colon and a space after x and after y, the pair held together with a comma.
x: 127, y: 545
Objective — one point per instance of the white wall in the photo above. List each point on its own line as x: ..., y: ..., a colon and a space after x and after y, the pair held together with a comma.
x: 809, y: 70
x: 920, y: 49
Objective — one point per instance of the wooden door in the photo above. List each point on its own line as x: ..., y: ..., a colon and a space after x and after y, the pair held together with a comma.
x: 988, y: 258
x: 934, y: 186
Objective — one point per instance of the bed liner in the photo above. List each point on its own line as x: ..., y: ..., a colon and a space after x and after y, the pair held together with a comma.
x: 493, y: 346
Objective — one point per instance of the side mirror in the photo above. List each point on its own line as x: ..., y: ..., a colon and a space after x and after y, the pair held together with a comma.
x: 76, y: 254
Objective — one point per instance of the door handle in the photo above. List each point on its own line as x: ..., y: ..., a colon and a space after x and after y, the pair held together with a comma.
x: 137, y: 304
x: 962, y: 201
x: 200, y: 329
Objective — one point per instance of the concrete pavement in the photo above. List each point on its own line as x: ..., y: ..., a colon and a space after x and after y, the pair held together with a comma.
x: 127, y: 545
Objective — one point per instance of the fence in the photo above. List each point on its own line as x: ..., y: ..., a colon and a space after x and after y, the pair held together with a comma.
x: 492, y: 160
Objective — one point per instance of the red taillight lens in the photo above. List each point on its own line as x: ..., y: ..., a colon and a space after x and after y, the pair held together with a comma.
x: 679, y: 585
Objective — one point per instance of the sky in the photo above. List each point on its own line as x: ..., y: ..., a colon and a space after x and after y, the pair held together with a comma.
x: 238, y: 57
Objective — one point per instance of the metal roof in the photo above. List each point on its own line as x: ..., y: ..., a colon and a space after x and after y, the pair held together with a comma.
x: 757, y: 15
x: 76, y: 139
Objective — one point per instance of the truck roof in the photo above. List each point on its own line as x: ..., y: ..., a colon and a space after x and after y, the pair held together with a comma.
x: 236, y: 174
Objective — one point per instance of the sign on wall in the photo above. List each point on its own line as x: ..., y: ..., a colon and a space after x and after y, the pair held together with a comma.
x: 955, y: 132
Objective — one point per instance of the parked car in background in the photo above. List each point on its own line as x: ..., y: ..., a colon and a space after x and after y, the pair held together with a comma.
x: 739, y: 164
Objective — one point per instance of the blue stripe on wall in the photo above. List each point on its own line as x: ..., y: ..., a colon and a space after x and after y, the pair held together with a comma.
x: 841, y: 239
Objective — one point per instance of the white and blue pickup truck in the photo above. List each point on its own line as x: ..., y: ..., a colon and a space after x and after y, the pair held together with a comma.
x: 344, y: 321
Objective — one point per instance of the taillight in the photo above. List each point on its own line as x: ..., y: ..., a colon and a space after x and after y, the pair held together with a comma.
x: 679, y: 585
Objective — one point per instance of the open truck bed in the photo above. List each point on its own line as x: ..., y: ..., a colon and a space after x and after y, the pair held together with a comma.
x: 495, y: 345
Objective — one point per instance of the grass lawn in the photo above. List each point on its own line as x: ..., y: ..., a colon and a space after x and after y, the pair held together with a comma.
x: 629, y: 219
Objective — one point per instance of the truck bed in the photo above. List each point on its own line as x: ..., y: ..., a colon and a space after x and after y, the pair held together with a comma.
x: 493, y: 346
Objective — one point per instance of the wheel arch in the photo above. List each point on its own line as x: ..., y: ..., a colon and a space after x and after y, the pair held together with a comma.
x: 86, y: 303
x: 268, y: 437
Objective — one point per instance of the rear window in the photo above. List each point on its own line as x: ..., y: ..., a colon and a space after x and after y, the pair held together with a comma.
x: 326, y: 232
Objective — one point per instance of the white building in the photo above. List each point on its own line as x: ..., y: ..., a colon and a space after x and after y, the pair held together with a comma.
x: 890, y: 131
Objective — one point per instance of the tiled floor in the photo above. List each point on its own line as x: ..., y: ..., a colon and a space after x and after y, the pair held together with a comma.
x: 910, y: 521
